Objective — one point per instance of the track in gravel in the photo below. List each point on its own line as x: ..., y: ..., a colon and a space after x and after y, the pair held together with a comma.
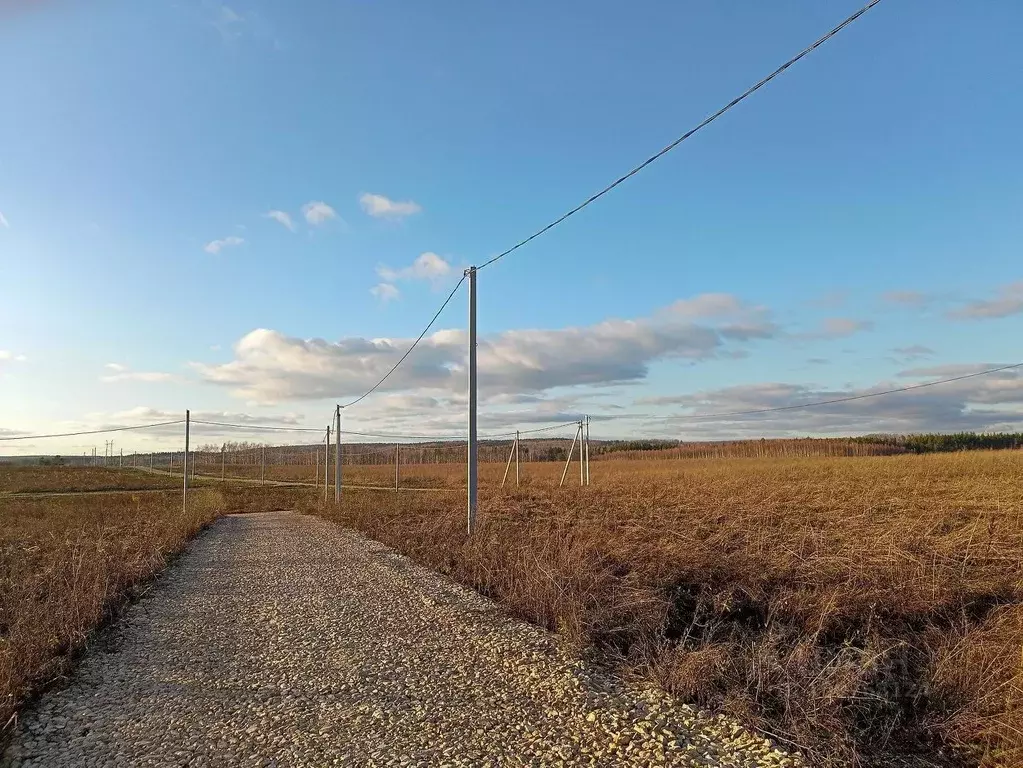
x: 282, y: 640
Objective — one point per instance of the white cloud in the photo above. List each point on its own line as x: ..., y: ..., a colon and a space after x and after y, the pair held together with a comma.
x: 383, y: 207
x: 317, y: 212
x: 3, y: 221
x: 216, y: 246
x: 269, y: 366
x: 123, y: 373
x: 1008, y: 301
x: 427, y: 266
x: 6, y: 354
x: 281, y: 217
x: 385, y: 292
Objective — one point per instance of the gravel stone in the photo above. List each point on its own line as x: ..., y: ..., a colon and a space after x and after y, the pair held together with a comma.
x: 282, y: 640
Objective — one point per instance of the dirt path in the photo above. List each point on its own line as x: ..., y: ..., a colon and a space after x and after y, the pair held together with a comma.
x: 282, y: 640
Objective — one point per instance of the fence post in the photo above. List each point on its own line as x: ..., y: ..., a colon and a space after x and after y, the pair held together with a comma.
x: 473, y: 467
x: 582, y: 459
x: 516, y: 458
x: 262, y: 464
x: 511, y: 455
x: 571, y: 450
x: 184, y: 473
x: 587, y: 450
x: 397, y: 465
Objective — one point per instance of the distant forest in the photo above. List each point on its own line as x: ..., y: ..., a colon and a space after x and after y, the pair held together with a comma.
x: 867, y: 445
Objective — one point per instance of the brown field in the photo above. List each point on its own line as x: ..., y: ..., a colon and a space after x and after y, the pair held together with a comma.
x: 66, y: 562
x: 448, y: 475
x: 39, y: 479
x: 857, y: 608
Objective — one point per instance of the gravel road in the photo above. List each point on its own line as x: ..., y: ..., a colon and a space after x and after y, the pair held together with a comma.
x: 282, y: 640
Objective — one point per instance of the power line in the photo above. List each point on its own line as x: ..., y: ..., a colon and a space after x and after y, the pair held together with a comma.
x: 94, y: 431
x: 850, y: 398
x: 748, y: 92
x: 531, y: 431
x: 414, y: 344
x: 258, y: 427
x: 402, y: 437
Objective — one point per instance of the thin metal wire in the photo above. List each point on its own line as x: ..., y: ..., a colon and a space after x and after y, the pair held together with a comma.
x: 429, y: 325
x: 748, y: 92
x: 532, y: 431
x: 260, y: 427
x: 94, y: 431
x: 847, y: 399
x: 403, y: 437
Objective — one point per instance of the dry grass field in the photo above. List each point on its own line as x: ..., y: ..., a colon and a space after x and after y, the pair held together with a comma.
x: 66, y: 562
x: 857, y: 608
x: 41, y: 479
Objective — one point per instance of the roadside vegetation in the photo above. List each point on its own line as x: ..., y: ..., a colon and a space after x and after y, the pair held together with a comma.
x: 68, y: 562
x: 854, y: 608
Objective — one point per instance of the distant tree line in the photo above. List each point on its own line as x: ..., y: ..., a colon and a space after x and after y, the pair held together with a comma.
x: 944, y: 443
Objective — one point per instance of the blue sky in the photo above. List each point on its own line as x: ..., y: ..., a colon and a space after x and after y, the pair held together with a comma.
x: 866, y: 201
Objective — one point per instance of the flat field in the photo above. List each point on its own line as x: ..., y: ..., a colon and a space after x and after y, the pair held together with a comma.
x: 857, y: 608
x: 57, y: 479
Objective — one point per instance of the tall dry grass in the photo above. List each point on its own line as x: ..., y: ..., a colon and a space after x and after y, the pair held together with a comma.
x: 857, y: 608
x: 66, y: 562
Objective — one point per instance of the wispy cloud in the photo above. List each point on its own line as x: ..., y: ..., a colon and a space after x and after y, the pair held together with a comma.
x: 1008, y: 301
x: 836, y: 328
x: 282, y: 218
x: 7, y: 355
x: 383, y: 207
x: 905, y: 298
x: 122, y: 372
x: 984, y: 403
x: 912, y: 352
x: 318, y: 212
x: 147, y: 376
x: 3, y: 221
x: 427, y: 266
x: 385, y: 292
x: 216, y: 246
x: 829, y: 300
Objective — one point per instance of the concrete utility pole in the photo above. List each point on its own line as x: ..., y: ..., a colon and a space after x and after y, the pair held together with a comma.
x: 337, y: 456
x: 473, y: 467
x: 184, y: 473
x: 326, y: 465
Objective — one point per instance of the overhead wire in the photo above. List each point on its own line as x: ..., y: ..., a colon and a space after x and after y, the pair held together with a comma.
x: 415, y: 343
x: 93, y: 431
x: 707, y: 121
x: 850, y: 398
x: 258, y: 427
